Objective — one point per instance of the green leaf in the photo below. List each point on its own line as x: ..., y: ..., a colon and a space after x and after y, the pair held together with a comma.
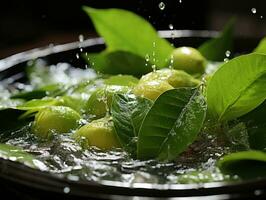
x: 261, y: 48
x: 17, y: 154
x: 39, y: 93
x: 237, y: 87
x: 126, y: 31
x: 122, y: 80
x: 214, y: 49
x: 128, y: 112
x: 33, y: 106
x: 245, y: 164
x: 256, y: 127
x: 119, y: 62
x: 37, y: 104
x: 172, y: 124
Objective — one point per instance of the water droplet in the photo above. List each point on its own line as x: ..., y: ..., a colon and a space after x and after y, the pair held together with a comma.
x: 77, y: 55
x: 72, y: 177
x: 66, y: 190
x: 147, y: 58
x: 258, y: 192
x: 81, y: 38
x: 153, y: 68
x: 81, y: 49
x: 171, y: 62
x: 171, y: 26
x: 162, y: 5
x: 227, y: 53
x: 254, y: 10
x: 226, y: 60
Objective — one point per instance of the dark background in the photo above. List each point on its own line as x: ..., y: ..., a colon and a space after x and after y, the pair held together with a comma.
x: 25, y: 24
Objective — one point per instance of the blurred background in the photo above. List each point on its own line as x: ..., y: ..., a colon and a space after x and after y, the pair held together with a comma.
x: 29, y: 24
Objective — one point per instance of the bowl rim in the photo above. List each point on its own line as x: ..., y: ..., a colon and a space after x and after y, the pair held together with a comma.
x: 25, y: 175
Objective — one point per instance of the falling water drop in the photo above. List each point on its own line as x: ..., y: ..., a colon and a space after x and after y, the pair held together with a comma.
x: 226, y: 60
x: 81, y: 38
x: 153, y: 68
x: 66, y: 190
x: 227, y: 53
x: 162, y: 5
x: 147, y: 57
x: 254, y: 10
x: 171, y: 62
x: 171, y: 27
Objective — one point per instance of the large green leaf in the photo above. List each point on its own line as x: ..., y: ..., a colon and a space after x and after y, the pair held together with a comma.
x: 261, y: 48
x: 128, y: 112
x: 126, y: 31
x: 172, y: 124
x: 245, y: 164
x: 214, y: 49
x: 17, y: 154
x: 119, y: 62
x: 237, y: 87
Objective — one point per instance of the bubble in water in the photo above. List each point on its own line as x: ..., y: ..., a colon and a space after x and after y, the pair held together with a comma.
x: 171, y: 27
x: 254, y: 10
x: 162, y: 5
x: 81, y: 38
x: 227, y: 53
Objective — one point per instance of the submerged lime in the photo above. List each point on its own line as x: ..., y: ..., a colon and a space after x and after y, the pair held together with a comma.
x: 99, y: 133
x: 58, y: 119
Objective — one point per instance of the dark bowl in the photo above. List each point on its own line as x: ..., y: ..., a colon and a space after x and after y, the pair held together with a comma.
x: 22, y: 182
